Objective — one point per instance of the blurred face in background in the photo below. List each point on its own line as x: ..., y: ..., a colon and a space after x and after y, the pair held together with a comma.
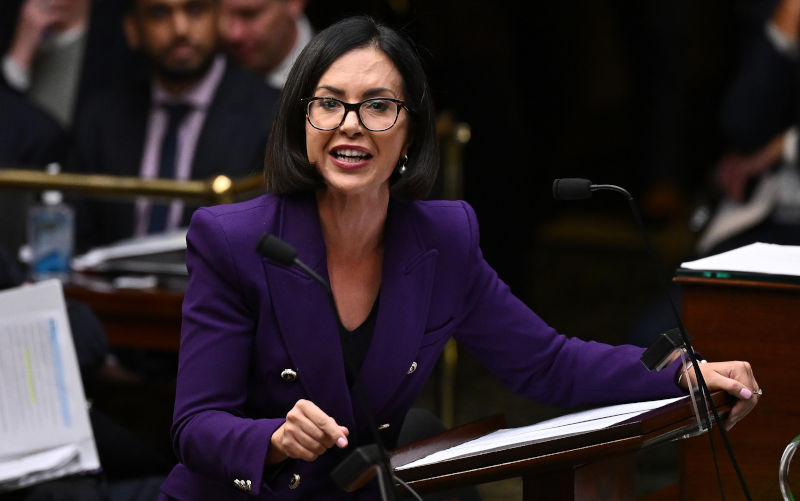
x: 179, y: 37
x: 259, y: 33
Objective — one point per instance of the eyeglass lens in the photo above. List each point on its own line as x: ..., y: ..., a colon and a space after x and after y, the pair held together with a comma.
x: 375, y: 114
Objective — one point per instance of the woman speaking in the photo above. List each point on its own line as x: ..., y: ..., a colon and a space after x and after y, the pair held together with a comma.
x: 264, y: 402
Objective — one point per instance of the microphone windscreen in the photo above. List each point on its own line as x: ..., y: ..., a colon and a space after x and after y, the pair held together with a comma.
x: 276, y: 249
x: 572, y: 188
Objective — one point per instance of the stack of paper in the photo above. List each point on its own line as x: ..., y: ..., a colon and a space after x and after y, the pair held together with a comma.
x: 44, y: 422
x: 571, y: 424
x: 769, y: 259
x: 153, y: 254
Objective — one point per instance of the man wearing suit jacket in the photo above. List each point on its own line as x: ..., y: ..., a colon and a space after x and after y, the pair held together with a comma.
x: 198, y: 116
x: 28, y: 136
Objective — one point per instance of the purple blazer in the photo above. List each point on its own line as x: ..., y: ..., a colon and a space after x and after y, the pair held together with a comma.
x: 246, y: 319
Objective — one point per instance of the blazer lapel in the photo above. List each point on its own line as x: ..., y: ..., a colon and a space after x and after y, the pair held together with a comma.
x: 305, y: 316
x: 406, y: 287
x: 308, y: 325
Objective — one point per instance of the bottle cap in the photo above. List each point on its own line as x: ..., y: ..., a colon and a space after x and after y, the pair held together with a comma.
x: 52, y: 197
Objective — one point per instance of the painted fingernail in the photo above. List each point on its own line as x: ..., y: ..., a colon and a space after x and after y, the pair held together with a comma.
x: 745, y: 393
x: 341, y: 442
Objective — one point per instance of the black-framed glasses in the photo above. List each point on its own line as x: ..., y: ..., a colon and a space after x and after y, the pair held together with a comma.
x: 376, y: 113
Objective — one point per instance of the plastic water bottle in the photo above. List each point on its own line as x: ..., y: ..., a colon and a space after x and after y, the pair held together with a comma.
x: 51, y: 229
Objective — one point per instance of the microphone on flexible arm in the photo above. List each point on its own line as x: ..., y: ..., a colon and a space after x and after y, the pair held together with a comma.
x: 655, y: 357
x: 356, y: 468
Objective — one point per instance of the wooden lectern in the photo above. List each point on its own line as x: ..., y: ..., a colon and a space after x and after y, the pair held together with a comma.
x: 758, y: 321
x: 586, y: 466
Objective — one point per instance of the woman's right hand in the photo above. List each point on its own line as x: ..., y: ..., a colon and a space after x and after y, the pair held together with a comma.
x: 307, y: 433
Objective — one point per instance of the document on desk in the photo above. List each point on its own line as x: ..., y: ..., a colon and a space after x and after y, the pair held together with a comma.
x: 771, y: 259
x: 570, y: 424
x: 45, y: 431
x: 163, y: 253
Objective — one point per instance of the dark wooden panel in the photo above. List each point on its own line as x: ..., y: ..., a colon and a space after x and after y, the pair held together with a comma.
x: 758, y: 322
x: 148, y: 319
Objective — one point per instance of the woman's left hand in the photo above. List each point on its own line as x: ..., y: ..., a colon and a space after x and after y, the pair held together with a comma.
x: 735, y: 378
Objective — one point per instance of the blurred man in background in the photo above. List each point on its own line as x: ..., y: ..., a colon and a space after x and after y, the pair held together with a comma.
x: 265, y: 36
x: 198, y: 115
x: 60, y: 52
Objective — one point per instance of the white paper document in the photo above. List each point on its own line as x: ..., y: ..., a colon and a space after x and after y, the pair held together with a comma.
x: 44, y: 423
x: 159, y: 253
x: 571, y: 424
x: 758, y: 257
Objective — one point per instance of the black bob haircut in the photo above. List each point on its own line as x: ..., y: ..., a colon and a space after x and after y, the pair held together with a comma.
x: 286, y: 166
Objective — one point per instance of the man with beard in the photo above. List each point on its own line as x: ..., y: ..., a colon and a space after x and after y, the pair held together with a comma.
x: 196, y: 115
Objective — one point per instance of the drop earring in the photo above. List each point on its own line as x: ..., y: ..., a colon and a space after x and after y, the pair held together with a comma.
x: 402, y: 165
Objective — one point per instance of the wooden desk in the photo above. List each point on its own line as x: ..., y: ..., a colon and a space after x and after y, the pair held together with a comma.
x: 148, y: 319
x: 587, y: 466
x: 758, y: 322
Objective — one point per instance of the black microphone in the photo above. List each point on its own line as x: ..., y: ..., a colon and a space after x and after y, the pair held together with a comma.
x: 357, y: 466
x: 572, y: 189
x: 653, y: 358
x: 575, y: 188
x: 276, y: 249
